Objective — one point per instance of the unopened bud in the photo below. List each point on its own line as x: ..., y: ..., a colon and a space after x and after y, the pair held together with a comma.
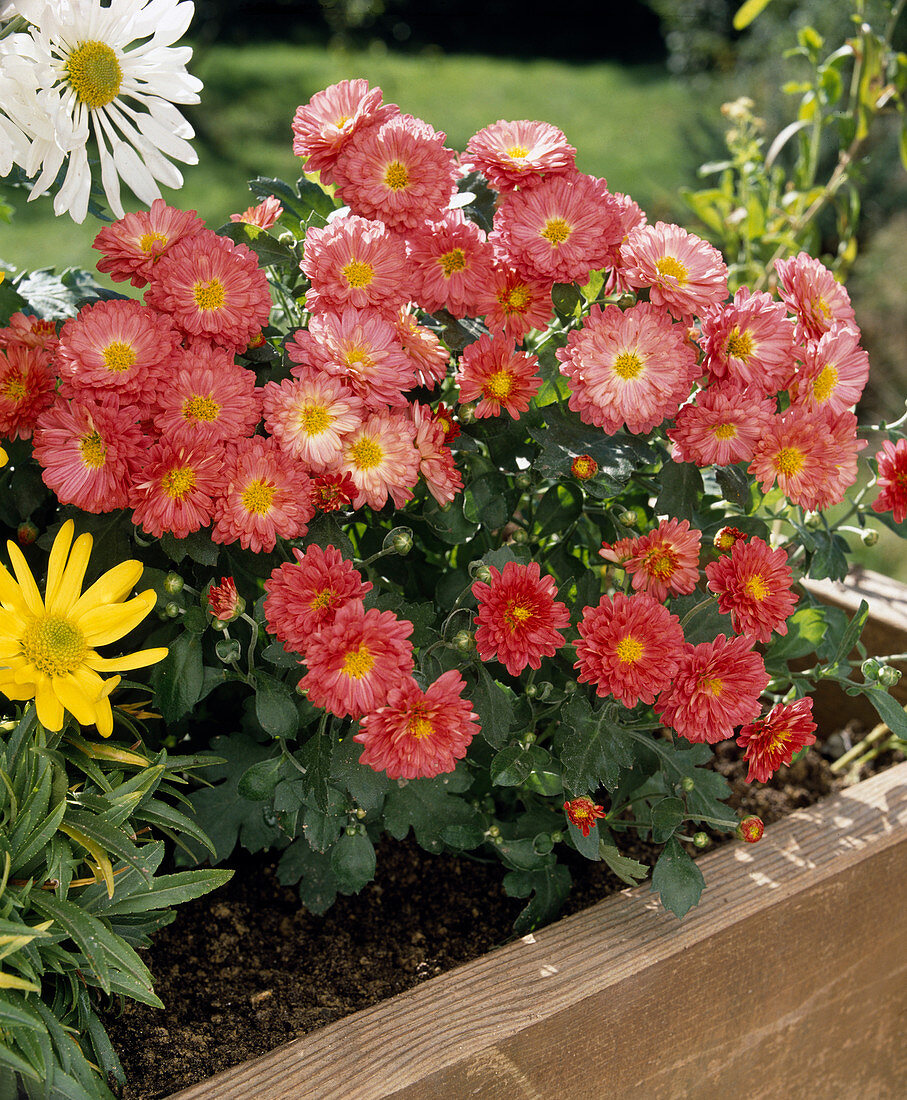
x: 629, y: 518
x: 223, y: 601
x: 584, y: 467
x: 531, y: 691
x: 529, y: 738
x: 479, y: 571
x: 400, y: 540
x: 871, y: 668
x: 493, y: 831
x: 27, y: 533
x: 870, y: 536
x: 257, y: 341
x: 351, y: 830
x: 523, y: 481
x: 750, y: 829
x: 171, y: 610
x: 520, y: 536
x: 287, y: 237
x: 557, y: 836
x: 464, y: 641
x: 360, y: 813
x: 570, y: 687
x: 889, y: 676
x: 466, y: 414
x: 701, y: 840
x: 688, y: 783
x: 812, y: 520
x: 173, y: 583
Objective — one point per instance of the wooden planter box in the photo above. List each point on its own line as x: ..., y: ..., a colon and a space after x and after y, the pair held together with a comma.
x: 788, y: 980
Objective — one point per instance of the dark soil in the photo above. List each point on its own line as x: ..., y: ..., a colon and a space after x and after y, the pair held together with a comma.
x: 246, y: 969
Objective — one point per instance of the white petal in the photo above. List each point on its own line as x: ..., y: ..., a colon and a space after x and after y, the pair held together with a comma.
x: 135, y: 173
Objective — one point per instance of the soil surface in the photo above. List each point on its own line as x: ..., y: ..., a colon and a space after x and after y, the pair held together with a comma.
x: 246, y: 968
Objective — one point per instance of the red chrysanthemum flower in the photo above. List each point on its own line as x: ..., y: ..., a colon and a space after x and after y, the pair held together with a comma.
x: 309, y: 417
x: 726, y: 538
x: 892, y: 479
x: 631, y: 647
x: 30, y: 332
x: 684, y: 273
x: 812, y: 292
x: 584, y: 467
x: 512, y: 304
x: 428, y: 356
x: 773, y: 740
x: 723, y: 426
x: 443, y: 417
x: 750, y: 829
x: 628, y: 367
x: 519, y: 619
x: 753, y: 586
x: 451, y: 261
x: 492, y: 370
x: 134, y: 244
x: 305, y: 595
x: 332, y: 491
x: 381, y: 459
x: 835, y: 370
x: 212, y: 288
x: 178, y: 490
x: 582, y: 812
x: 354, y: 662
x: 26, y: 389
x: 264, y: 215
x: 418, y: 734
x: 749, y: 342
x: 224, y: 602
x: 666, y: 560
x: 436, y: 463
x: 519, y: 154
x: 715, y: 688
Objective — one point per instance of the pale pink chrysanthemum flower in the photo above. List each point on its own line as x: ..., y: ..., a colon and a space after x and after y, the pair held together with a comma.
x: 436, y: 463
x: 684, y: 273
x: 620, y: 551
x: 892, y: 478
x: 323, y: 126
x: 208, y: 397
x: 844, y: 447
x: 26, y: 389
x: 749, y: 342
x: 631, y: 216
x: 362, y: 349
x: 309, y: 417
x: 834, y: 372
x: 354, y: 662
x: 666, y: 561
x: 212, y: 288
x: 419, y: 734
x: 89, y: 452
x: 30, y: 332
x: 355, y: 262
x: 630, y: 647
x: 518, y: 154
x: 560, y: 230
x: 398, y: 171
x: 380, y: 457
x: 303, y: 596
x: 428, y: 356
x: 264, y: 215
x: 133, y: 244
x: 722, y: 427
x: 118, y: 346
x: 813, y: 294
x: 450, y: 261
x: 773, y: 740
x: 177, y: 489
x: 753, y: 585
x: 493, y: 372
x: 628, y: 367
x: 512, y: 304
x: 264, y: 496
x: 715, y: 688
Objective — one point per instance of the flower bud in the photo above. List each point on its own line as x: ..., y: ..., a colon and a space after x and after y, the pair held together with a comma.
x: 257, y: 341
x: 27, y: 533
x: 520, y: 536
x: 701, y: 840
x: 351, y: 830
x: 228, y: 650
x: 870, y: 536
x: 173, y: 583
x: 492, y: 831
x: 529, y: 738
x: 467, y: 414
x: 557, y: 836
x: 223, y: 601
x: 812, y: 520
x: 629, y: 518
x: 871, y: 668
x: 530, y: 691
x: 479, y: 571
x: 171, y: 609
x: 523, y: 481
x: 750, y: 829
x: 360, y: 812
x: 688, y: 783
x: 464, y: 641
x: 889, y: 676
x: 584, y: 467
x: 287, y: 237
x: 400, y: 540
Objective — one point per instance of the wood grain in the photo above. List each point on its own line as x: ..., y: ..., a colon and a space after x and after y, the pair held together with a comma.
x: 788, y: 981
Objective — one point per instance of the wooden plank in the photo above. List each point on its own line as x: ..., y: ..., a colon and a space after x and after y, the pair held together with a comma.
x: 788, y: 980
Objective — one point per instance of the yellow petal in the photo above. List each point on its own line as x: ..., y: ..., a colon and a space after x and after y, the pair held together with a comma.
x: 101, y: 625
x: 91, y: 684
x: 104, y: 717
x: 71, y: 582
x: 17, y: 692
x: 71, y: 695
x: 110, y: 588
x: 11, y: 594
x: 27, y: 586
x: 140, y: 659
x: 57, y: 560
x: 50, y: 712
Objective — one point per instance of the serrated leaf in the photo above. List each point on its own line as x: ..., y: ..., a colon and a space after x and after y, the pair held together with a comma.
x: 806, y: 629
x: 321, y: 829
x: 429, y: 806
x: 353, y: 862
x: 366, y: 787
x: 630, y: 871
x: 257, y: 783
x: 548, y: 887
x: 667, y: 815
x: 680, y: 491
x: 494, y: 705
x: 677, y: 879
x: 177, y: 680
x: 592, y: 749
x: 312, y: 871
x: 275, y: 706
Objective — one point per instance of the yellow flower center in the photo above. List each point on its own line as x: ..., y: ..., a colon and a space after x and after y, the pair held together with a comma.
x: 517, y: 152
x: 314, y: 419
x: 556, y: 231
x: 628, y: 364
x: 321, y: 600
x: 498, y: 385
x: 661, y: 562
x: 715, y: 686
x: 94, y: 74
x: 366, y: 453
x: 740, y: 345
x: 358, y: 273
x: 452, y: 261
x: 516, y: 614
x: 209, y: 296
x: 756, y: 588
x: 14, y: 387
x: 93, y: 451
x: 671, y: 267
x: 778, y: 740
x: 824, y: 386
x: 396, y: 176
x: 724, y: 431
x: 147, y: 241
x: 357, y: 355
x: 342, y: 121
x: 178, y: 482
x: 54, y: 646
x: 201, y: 406
x: 358, y: 662
x: 789, y: 461
x: 515, y: 300
x: 418, y: 725
x: 119, y: 356
x: 629, y: 650
x: 258, y: 497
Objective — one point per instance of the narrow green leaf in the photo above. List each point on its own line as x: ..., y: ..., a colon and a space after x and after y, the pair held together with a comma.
x: 82, y: 928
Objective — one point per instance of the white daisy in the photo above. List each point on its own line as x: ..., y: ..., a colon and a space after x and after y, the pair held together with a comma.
x: 112, y: 72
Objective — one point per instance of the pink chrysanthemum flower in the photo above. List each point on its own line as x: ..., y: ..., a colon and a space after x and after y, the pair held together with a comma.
x: 619, y: 552
x: 398, y: 172
x: 120, y: 346
x: 380, y: 457
x: 419, y: 734
x: 773, y: 740
x: 428, y: 356
x: 632, y: 216
x: 844, y: 446
x: 630, y: 648
x: 812, y: 292
x: 835, y: 371
x: 684, y: 273
x: 264, y: 496
x: 356, y: 661
x: 212, y: 288
x: 512, y: 304
x: 362, y: 349
x: 727, y: 537
x: 26, y: 389
x: 630, y: 367
x: 492, y: 370
x: 892, y: 479
x: 135, y: 243
x: 450, y: 261
x: 30, y: 332
x: 208, y: 397
x: 749, y: 343
x: 436, y: 464
x: 305, y: 595
x: 582, y: 812
x: 519, y: 619
x: 329, y: 492
x: 89, y: 452
x: 560, y: 230
x: 264, y: 215
x: 753, y: 586
x: 715, y: 688
x: 519, y: 154
x: 666, y: 561
x: 355, y: 262
x: 723, y: 426
x: 309, y: 417
x: 178, y: 490
x: 323, y: 126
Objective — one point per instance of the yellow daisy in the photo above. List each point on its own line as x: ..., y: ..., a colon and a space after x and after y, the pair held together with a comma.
x: 47, y: 647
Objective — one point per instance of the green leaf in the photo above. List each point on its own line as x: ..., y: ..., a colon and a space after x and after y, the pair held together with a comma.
x: 177, y: 680
x: 257, y: 783
x: 889, y: 710
x: 11, y: 301
x: 312, y: 871
x: 677, y: 879
x: 321, y: 829
x: 548, y: 887
x: 667, y: 815
x: 275, y: 706
x: 84, y: 930
x: 628, y: 870
x: 47, y: 295
x: 463, y: 837
x: 805, y: 630
x: 852, y: 634
x: 353, y: 862
x: 734, y: 485
x: 170, y: 890
x: 681, y: 491
x: 494, y: 705
x: 429, y: 806
x: 511, y: 766
x: 365, y: 786
x: 268, y: 249
x: 593, y: 749
x: 566, y: 437
x: 566, y: 297
x: 315, y: 757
